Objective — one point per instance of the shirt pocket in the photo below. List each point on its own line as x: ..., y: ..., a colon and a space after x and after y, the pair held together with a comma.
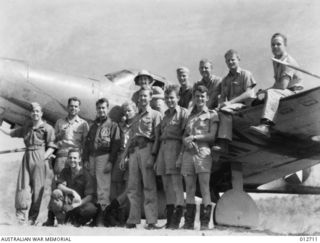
x: 203, y: 125
x: 146, y: 123
x: 77, y: 135
x: 237, y: 88
x: 39, y: 136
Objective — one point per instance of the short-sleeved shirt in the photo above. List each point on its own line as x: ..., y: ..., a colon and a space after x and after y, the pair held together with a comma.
x: 236, y: 84
x: 281, y: 71
x: 201, y: 123
x: 103, y: 137
x: 83, y: 183
x: 41, y: 136
x: 214, y: 90
x: 173, y: 124
x: 71, y: 134
x: 185, y: 97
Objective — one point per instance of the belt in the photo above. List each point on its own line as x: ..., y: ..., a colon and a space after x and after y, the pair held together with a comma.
x: 34, y: 147
x: 139, y: 142
x: 164, y: 140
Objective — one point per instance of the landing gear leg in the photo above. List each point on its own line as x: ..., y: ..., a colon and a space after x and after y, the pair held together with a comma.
x: 236, y: 207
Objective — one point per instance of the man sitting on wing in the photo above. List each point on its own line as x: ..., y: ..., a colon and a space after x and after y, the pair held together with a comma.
x: 287, y: 82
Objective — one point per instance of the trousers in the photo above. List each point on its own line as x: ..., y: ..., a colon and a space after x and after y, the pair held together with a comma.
x: 272, y: 101
x: 103, y: 180
x: 142, y: 178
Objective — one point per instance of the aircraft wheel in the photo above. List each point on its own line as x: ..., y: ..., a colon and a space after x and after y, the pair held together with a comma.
x: 236, y: 208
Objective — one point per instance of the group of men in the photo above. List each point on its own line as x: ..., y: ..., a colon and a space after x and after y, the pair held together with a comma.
x: 103, y: 170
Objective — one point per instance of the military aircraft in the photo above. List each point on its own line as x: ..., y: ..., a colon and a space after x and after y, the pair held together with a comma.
x: 252, y: 163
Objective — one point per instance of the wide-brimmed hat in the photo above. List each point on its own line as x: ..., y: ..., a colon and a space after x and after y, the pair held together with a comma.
x: 143, y: 73
x: 157, y: 93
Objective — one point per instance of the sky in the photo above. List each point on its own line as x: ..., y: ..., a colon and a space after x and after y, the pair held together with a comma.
x: 91, y: 38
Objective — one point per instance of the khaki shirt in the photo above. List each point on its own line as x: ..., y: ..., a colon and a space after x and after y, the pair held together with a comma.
x: 234, y: 85
x: 281, y: 71
x: 71, y: 134
x: 214, y: 90
x: 201, y: 123
x: 147, y: 124
x: 172, y: 125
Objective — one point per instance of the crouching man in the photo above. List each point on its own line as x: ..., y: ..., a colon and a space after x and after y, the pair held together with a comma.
x: 72, y: 201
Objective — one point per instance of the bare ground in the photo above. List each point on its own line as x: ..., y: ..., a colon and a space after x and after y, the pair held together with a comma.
x: 279, y: 215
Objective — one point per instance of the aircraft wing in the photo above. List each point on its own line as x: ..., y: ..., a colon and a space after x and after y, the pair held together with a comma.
x: 292, y: 147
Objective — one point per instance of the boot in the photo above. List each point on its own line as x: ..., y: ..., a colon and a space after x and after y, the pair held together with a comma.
x: 169, y: 211
x: 50, y: 220
x: 122, y: 217
x: 98, y: 219
x: 176, y: 218
x: 111, y: 214
x: 205, y: 213
x: 189, y: 216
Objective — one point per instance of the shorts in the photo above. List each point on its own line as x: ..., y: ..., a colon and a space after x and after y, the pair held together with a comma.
x: 168, y: 154
x: 195, y: 163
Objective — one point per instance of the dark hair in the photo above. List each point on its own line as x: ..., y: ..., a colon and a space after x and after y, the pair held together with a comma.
x: 74, y: 99
x: 172, y: 88
x: 101, y: 101
x: 231, y: 52
x: 200, y: 88
x: 74, y: 150
x: 146, y: 87
x: 282, y: 36
x: 205, y: 60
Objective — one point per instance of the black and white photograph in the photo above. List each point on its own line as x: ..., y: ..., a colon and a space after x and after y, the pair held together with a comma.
x: 159, y: 118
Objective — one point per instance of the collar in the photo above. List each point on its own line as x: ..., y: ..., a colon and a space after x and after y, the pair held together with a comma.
x: 238, y: 71
x: 184, y: 89
x: 177, y: 110
x: 205, y: 110
x: 284, y: 57
x: 30, y: 125
x: 101, y: 121
x: 76, y: 119
x: 148, y: 109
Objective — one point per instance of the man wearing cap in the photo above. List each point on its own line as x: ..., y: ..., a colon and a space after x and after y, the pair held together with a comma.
x: 142, y: 78
x: 73, y: 200
x: 144, y: 145
x: 157, y: 101
x: 287, y: 82
x: 210, y: 81
x: 100, y: 153
x: 71, y: 132
x: 39, y: 141
x: 185, y: 91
